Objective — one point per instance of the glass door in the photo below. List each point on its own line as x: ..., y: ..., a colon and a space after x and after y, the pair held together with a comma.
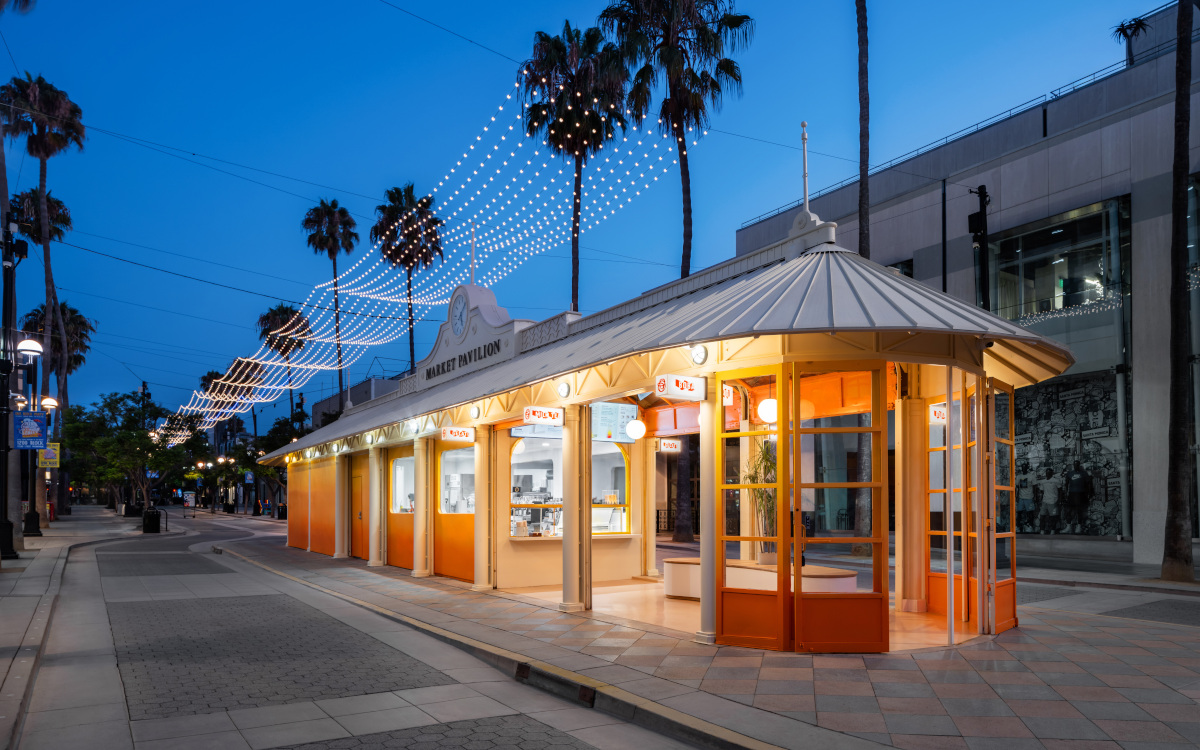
x: 945, y: 478
x: 840, y: 444
x: 1002, y: 541
x: 753, y: 578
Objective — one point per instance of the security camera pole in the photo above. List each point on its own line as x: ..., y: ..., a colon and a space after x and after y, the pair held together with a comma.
x: 7, y: 354
x: 977, y: 225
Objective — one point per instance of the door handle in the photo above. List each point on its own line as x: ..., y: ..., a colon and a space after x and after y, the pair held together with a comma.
x: 360, y: 515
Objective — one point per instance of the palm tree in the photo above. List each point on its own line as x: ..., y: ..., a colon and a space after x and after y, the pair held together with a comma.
x: 862, y: 505
x: 27, y: 213
x: 684, y: 42
x: 51, y: 124
x: 208, y: 379
x: 331, y: 231
x: 285, y: 330
x: 410, y: 237
x: 580, y: 80
x: 63, y: 361
x: 6, y: 112
x: 1177, y: 543
x: 1127, y: 31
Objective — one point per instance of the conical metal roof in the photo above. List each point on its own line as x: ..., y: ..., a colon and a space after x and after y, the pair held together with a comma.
x: 828, y: 289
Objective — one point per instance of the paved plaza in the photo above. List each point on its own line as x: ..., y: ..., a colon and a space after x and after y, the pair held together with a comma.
x: 158, y: 642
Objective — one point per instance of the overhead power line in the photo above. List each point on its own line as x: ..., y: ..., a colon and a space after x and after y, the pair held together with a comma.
x: 451, y: 32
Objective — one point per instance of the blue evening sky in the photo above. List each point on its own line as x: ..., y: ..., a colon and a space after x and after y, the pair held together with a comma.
x: 359, y: 96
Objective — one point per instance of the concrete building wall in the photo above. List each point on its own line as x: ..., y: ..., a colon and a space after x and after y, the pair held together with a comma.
x: 1105, y: 140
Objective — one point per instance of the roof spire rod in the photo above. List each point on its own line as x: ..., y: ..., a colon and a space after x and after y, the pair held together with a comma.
x: 804, y: 140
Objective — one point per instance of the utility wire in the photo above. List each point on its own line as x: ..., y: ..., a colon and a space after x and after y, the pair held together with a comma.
x: 10, y: 54
x: 449, y: 31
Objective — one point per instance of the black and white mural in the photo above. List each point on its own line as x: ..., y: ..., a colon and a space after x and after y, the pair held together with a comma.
x: 1068, y: 453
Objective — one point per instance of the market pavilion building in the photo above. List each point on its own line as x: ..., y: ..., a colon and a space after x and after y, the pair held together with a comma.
x: 844, y: 413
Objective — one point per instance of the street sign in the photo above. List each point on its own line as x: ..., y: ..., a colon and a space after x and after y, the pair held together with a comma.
x: 29, y: 430
x: 48, y: 458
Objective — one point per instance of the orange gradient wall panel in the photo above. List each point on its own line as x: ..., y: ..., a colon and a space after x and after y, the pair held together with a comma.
x: 851, y: 625
x: 297, y: 505
x: 322, y: 502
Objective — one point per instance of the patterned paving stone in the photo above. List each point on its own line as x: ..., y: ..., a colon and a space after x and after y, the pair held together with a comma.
x: 1164, y: 610
x: 197, y: 656
x: 520, y: 732
x: 116, y: 564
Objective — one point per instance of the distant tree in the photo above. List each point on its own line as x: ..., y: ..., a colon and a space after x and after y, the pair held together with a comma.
x: 410, y: 237
x: 862, y: 505
x: 1177, y: 563
x: 684, y: 44
x: 285, y: 331
x: 331, y: 232
x: 1128, y: 30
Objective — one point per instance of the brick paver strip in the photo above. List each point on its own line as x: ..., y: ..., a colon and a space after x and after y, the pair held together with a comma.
x: 1018, y: 683
x: 519, y: 732
x: 198, y: 656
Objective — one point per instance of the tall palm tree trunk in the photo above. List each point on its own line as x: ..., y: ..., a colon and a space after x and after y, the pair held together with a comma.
x: 576, y: 205
x: 864, y: 132
x: 1177, y: 543
x: 47, y: 326
x: 685, y: 182
x: 12, y: 504
x: 337, y: 327
x: 412, y: 342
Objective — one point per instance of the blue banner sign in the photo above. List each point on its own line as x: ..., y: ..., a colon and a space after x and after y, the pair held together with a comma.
x: 29, y: 430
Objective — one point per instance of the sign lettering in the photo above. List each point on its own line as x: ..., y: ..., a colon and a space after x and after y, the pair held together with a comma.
x: 29, y: 430
x: 464, y: 359
x: 547, y: 415
x: 458, y: 434
x: 680, y: 387
x: 670, y: 445
x: 937, y: 414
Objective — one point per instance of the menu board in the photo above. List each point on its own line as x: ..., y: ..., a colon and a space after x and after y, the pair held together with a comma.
x: 537, y: 430
x: 609, y: 421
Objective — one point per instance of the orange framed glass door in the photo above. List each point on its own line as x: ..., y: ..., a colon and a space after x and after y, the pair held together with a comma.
x: 839, y: 445
x: 754, y: 536
x: 454, y: 512
x: 946, y: 519
x: 1002, y: 532
x: 401, y: 491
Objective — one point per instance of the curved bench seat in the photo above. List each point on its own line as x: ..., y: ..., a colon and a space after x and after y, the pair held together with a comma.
x: 681, y: 577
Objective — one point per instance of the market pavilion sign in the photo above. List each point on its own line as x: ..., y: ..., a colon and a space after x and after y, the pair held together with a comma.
x: 478, y: 333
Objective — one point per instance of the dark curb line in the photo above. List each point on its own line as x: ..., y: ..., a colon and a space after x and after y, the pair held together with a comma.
x: 563, y: 683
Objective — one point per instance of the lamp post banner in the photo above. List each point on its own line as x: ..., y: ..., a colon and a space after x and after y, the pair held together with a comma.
x: 29, y: 430
x: 48, y: 458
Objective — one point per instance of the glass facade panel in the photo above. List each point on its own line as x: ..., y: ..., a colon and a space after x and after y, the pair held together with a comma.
x: 458, y: 480
x: 404, y: 472
x: 610, y: 504
x: 536, y: 505
x: 837, y: 511
x: 835, y: 457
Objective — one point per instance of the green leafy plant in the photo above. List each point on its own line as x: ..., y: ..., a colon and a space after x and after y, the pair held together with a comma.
x: 762, y: 469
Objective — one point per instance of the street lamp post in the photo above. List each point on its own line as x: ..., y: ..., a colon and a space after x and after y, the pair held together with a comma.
x: 12, y: 248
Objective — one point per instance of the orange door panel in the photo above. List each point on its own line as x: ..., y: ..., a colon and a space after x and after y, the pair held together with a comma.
x: 321, y: 506
x: 297, y: 505
x: 358, y: 524
x: 454, y: 545
x: 400, y: 540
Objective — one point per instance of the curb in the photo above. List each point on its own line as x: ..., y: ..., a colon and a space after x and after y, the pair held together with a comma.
x: 1117, y: 586
x: 14, y: 709
x: 563, y: 683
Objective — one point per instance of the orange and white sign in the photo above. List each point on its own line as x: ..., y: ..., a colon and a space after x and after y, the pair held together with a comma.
x: 548, y: 415
x: 726, y: 395
x: 458, y: 434
x: 670, y: 445
x: 937, y: 414
x: 680, y: 387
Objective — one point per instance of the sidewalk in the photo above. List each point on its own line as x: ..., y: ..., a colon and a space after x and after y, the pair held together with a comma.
x: 29, y: 588
x: 1061, y: 676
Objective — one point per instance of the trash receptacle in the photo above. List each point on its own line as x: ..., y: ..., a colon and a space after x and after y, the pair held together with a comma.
x: 281, y: 512
x: 151, y: 521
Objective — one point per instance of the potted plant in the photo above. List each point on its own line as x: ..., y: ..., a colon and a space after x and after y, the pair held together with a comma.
x: 761, y: 469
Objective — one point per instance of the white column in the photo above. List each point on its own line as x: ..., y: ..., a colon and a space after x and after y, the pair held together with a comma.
x: 911, y: 458
x: 483, y: 508
x: 573, y: 518
x: 341, y: 503
x: 708, y: 516
x: 421, y: 508
x: 376, y: 498
x: 644, y: 472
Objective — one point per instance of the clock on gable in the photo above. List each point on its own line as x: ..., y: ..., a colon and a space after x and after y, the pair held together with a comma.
x: 458, y: 314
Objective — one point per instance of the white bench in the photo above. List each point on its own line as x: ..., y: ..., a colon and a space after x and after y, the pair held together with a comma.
x: 681, y: 577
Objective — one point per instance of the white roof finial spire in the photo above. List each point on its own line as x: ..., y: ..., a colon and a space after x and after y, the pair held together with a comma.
x: 804, y: 140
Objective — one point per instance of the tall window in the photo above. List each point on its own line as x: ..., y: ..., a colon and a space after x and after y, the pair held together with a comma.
x: 403, y: 485
x: 458, y: 480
